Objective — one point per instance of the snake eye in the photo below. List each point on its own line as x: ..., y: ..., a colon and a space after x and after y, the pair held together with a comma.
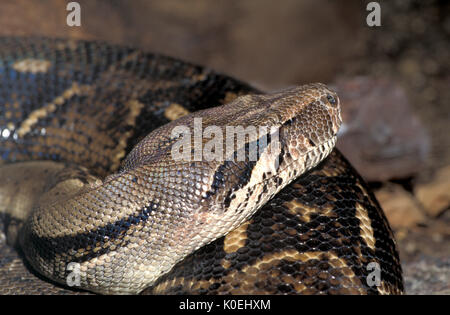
x: 331, y: 99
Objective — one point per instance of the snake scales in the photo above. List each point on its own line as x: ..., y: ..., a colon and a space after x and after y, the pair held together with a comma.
x: 86, y: 105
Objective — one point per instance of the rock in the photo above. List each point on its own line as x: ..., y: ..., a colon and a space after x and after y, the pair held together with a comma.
x: 427, y: 275
x: 435, y: 194
x: 381, y: 135
x: 401, y: 209
x: 424, y: 254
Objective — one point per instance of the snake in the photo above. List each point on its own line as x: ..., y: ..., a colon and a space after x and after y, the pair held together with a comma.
x: 127, y: 172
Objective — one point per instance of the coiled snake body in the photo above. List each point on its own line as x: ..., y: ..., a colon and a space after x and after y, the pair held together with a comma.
x: 91, y: 190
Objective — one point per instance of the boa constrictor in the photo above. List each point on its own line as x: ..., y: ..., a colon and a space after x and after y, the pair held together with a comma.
x: 92, y: 196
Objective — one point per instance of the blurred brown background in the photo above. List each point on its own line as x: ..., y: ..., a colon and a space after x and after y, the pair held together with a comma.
x: 393, y: 80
